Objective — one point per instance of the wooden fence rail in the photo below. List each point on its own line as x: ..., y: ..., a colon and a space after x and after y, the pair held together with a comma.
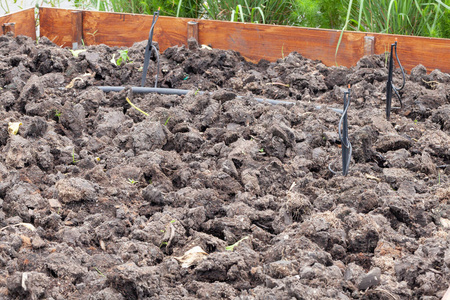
x: 69, y: 28
x: 19, y: 23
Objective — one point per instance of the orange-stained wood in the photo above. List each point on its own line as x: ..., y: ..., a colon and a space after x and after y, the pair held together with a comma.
x: 9, y: 27
x: 77, y: 28
x: 192, y: 30
x: 56, y: 25
x: 253, y: 41
x: 24, y: 23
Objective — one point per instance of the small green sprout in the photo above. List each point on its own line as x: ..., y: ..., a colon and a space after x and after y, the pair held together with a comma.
x: 75, y: 53
x: 123, y: 58
x: 58, y: 114
x: 415, y: 121
x: 173, y: 221
x: 167, y: 121
x: 196, y: 92
x: 99, y: 272
x: 261, y: 150
x: 132, y: 181
x: 163, y: 244
x: 73, y: 157
x: 231, y: 247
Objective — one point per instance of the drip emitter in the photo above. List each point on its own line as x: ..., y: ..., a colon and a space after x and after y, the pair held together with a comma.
x: 390, y: 86
x: 343, y: 136
x: 168, y: 91
x: 148, y: 51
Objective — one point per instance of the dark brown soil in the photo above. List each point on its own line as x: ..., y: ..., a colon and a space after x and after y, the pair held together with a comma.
x: 117, y: 198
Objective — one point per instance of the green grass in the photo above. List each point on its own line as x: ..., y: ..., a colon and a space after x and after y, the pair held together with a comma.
x: 406, y: 17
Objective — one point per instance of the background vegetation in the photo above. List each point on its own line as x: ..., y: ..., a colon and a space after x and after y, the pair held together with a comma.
x: 409, y: 17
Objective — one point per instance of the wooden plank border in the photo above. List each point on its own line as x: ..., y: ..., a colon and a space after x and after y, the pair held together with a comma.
x: 20, y: 23
x: 253, y: 41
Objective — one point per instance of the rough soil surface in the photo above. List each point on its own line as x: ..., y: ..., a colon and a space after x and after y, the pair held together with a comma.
x: 99, y: 201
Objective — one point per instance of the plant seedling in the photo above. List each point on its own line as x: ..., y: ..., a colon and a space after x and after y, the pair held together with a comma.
x: 167, y: 121
x: 123, y: 58
x: 99, y: 272
x: 75, y: 53
x: 93, y: 34
x: 231, y: 247
x: 73, y: 157
x: 58, y: 114
x: 132, y: 181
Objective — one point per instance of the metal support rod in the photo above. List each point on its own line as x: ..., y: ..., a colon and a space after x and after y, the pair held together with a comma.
x: 148, y: 51
x: 166, y: 91
x: 389, y: 82
x: 390, y: 87
x: 345, y: 143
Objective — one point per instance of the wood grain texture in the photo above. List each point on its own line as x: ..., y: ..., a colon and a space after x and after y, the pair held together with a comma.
x: 9, y: 27
x: 192, y: 30
x: 252, y: 41
x: 412, y: 50
x: 117, y: 29
x: 77, y: 28
x: 25, y: 23
x: 56, y: 25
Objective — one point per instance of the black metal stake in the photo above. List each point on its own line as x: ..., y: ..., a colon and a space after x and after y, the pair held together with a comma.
x: 389, y: 85
x: 148, y: 51
x: 345, y: 143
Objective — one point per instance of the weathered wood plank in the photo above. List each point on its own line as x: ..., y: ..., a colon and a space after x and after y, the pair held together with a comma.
x: 412, y: 50
x: 253, y: 41
x: 117, y: 29
x: 24, y: 23
x: 56, y: 25
x: 77, y: 29
x: 192, y: 30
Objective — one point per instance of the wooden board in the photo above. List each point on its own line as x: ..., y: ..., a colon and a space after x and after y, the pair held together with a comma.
x: 56, y: 25
x: 253, y: 41
x: 412, y: 50
x: 25, y: 23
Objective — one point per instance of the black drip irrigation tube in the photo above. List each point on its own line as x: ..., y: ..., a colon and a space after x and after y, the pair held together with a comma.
x: 343, y: 136
x: 390, y: 86
x: 145, y: 90
x: 167, y: 91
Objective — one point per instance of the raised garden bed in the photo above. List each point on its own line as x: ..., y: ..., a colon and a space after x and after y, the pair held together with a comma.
x: 100, y: 201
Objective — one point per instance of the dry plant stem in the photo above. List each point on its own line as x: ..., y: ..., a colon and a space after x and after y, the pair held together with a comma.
x: 278, y: 83
x: 137, y: 108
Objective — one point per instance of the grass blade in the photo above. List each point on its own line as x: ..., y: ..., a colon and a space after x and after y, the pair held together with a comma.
x: 343, y: 29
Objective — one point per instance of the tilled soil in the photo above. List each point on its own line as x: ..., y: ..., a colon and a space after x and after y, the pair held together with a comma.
x: 99, y: 201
